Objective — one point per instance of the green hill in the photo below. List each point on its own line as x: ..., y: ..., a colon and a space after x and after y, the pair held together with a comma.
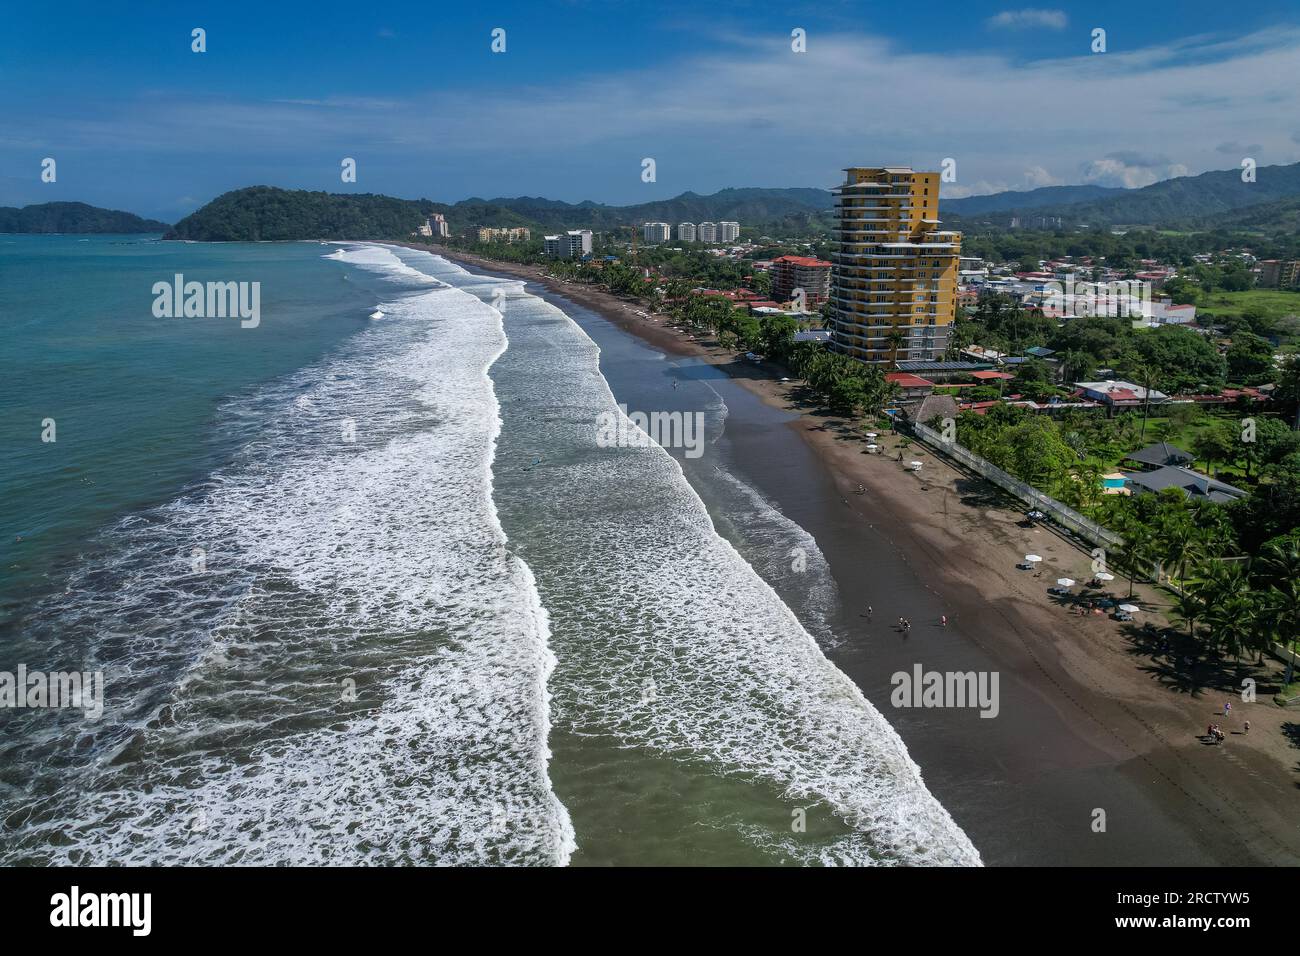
x: 266, y: 212
x: 1278, y: 216
x: 260, y: 213
x: 73, y: 217
x: 1027, y: 199
x: 1163, y: 203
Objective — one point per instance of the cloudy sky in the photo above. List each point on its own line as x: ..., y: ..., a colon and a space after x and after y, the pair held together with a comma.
x: 714, y: 92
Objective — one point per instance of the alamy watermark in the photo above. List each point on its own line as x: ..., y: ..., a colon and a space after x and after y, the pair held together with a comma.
x: 624, y: 429
x: 923, y: 688
x: 36, y: 690
x: 1118, y: 298
x: 208, y: 300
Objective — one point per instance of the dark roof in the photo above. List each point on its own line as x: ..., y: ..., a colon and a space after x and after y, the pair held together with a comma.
x: 1161, y: 453
x: 1040, y: 351
x: 1192, y: 483
x: 931, y: 406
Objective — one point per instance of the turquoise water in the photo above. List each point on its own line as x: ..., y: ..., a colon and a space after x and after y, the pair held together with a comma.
x: 133, y: 397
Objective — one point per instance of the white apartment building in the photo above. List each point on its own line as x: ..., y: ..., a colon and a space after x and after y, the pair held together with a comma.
x: 656, y: 232
x: 573, y: 244
x: 707, y: 232
x: 728, y: 231
x: 686, y: 231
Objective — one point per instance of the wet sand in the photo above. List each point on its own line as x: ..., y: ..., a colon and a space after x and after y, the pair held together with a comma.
x: 1095, y: 729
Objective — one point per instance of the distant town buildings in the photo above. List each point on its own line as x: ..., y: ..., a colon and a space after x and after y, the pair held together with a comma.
x: 811, y: 275
x: 486, y: 234
x: 894, y: 277
x: 435, y: 225
x: 656, y: 232
x: 707, y: 232
x: 574, y: 244
x: 686, y: 231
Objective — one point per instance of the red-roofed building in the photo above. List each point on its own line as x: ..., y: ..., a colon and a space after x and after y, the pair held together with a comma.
x: 992, y: 376
x: 801, y: 272
x: 910, y: 387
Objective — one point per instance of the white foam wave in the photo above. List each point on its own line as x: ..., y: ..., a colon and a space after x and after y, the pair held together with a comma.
x: 667, y: 638
x: 359, y: 673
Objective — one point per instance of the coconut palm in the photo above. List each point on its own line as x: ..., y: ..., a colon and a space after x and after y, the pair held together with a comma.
x: 1278, y: 568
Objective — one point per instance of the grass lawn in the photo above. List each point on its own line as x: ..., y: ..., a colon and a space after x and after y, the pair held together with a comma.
x: 1275, y: 302
x: 1161, y: 428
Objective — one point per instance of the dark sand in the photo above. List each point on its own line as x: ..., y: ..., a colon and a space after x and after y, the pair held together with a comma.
x: 1092, y: 717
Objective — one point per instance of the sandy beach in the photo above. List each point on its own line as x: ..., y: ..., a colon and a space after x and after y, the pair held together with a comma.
x: 1095, y: 757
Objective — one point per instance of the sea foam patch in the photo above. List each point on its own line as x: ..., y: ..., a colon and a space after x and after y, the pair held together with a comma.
x: 357, y: 671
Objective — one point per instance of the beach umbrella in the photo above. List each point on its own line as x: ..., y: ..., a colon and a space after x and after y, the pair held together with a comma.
x: 1105, y: 576
x: 1129, y: 608
x: 1032, y: 558
x: 871, y: 434
x: 1065, y: 582
x: 872, y: 447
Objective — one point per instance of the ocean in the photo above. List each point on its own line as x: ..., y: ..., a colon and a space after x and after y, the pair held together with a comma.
x: 376, y: 591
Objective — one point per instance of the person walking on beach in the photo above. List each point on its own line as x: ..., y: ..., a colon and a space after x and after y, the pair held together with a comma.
x: 1248, y: 726
x: 943, y: 620
x: 1227, y: 708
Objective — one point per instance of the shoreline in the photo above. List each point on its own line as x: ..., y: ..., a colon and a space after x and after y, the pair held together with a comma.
x: 1092, y: 719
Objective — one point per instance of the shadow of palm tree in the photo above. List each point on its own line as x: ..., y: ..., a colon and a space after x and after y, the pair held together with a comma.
x: 1180, y: 664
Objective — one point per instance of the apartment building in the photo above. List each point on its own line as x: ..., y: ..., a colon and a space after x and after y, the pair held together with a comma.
x: 1279, y: 273
x: 728, y: 231
x: 656, y: 232
x: 707, y: 232
x: 686, y: 231
x: 811, y: 275
x: 486, y: 234
x: 574, y: 244
x: 894, y: 272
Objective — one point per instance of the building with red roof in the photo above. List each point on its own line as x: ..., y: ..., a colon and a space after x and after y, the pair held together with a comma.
x: 800, y: 272
x: 910, y: 387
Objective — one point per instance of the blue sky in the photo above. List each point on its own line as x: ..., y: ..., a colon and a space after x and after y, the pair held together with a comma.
x: 712, y: 91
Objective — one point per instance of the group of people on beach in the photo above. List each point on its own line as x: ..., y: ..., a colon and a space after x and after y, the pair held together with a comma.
x: 1215, y: 734
x: 905, y: 624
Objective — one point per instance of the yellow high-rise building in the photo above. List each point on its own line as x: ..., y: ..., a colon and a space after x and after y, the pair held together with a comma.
x: 894, y: 281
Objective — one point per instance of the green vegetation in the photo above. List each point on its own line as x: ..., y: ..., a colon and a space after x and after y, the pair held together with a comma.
x: 73, y: 217
x: 261, y: 213
x: 1173, y: 359
x: 1195, y: 199
x: 266, y: 212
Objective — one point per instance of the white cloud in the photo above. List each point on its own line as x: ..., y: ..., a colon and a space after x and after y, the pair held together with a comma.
x: 750, y: 113
x: 1130, y: 170
x: 1028, y: 18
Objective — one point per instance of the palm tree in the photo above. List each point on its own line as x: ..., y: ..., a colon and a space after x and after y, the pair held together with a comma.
x: 1180, y: 541
x: 896, y: 338
x: 1139, y: 555
x: 1190, y: 606
x: 1147, y: 379
x: 1279, y: 568
x: 1223, y: 589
